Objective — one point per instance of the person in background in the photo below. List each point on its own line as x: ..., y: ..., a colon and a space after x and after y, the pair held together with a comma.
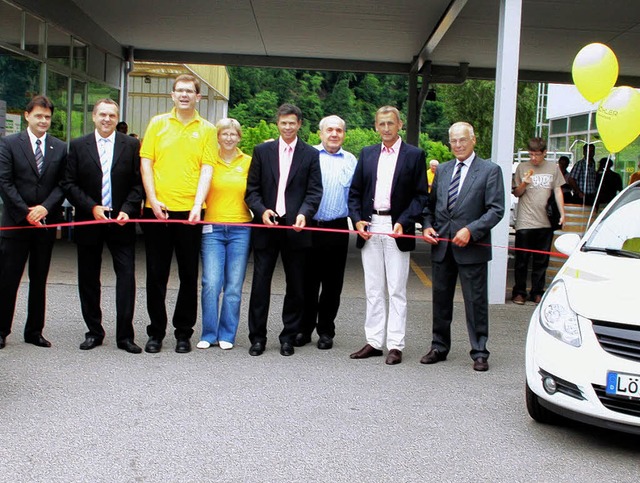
x: 567, y: 192
x: 102, y: 182
x: 387, y: 195
x: 176, y: 162
x: 466, y: 202
x: 122, y: 127
x: 583, y: 178
x: 225, y: 247
x: 431, y: 173
x: 327, y: 258
x: 534, y: 182
x: 32, y: 164
x: 635, y: 176
x: 609, y: 181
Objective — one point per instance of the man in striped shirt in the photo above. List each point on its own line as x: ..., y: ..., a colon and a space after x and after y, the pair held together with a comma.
x: 324, y: 272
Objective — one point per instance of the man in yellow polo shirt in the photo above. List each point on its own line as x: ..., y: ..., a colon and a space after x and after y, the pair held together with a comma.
x: 176, y: 162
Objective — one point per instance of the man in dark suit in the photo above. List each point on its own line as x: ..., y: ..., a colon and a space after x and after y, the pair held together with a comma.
x: 103, y: 181
x: 387, y: 195
x: 466, y: 202
x: 31, y: 166
x: 284, y: 187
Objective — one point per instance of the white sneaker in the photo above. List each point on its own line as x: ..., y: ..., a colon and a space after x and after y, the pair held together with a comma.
x: 203, y: 344
x: 224, y: 345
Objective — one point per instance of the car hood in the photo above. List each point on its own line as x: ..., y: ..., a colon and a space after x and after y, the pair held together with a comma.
x: 603, y: 287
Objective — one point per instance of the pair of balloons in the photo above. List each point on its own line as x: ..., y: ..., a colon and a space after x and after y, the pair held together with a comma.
x: 595, y: 72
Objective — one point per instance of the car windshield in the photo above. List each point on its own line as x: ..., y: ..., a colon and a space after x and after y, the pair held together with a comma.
x: 618, y: 233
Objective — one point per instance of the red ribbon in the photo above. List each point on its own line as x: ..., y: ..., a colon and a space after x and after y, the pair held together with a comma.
x: 256, y: 225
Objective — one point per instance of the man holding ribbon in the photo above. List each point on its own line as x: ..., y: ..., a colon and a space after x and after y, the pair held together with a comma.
x: 103, y: 183
x: 31, y: 165
x: 465, y: 203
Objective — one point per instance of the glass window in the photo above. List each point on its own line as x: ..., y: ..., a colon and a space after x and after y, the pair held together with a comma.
x: 58, y: 45
x: 96, y: 63
x: 579, y: 123
x: 19, y: 82
x: 33, y: 35
x: 58, y: 91
x: 79, y: 55
x: 113, y: 70
x: 559, y: 126
x: 77, y: 109
x: 10, y: 25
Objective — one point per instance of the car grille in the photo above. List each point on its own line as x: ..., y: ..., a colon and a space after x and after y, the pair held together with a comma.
x: 618, y: 404
x: 618, y: 339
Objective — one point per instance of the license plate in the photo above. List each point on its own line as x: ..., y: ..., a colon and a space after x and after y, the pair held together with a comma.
x: 621, y: 384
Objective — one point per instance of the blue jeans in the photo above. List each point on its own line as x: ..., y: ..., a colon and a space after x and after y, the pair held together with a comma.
x: 225, y: 252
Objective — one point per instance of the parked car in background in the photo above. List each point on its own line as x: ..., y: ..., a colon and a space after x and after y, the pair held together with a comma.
x: 583, y: 342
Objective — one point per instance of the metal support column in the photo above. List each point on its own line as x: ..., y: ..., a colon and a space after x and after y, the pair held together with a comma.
x: 413, y: 110
x: 503, y: 133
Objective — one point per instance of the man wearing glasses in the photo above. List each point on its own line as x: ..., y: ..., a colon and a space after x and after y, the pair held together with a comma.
x: 176, y: 163
x: 534, y: 181
x: 465, y: 203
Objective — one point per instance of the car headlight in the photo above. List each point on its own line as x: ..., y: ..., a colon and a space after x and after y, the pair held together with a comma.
x: 557, y: 317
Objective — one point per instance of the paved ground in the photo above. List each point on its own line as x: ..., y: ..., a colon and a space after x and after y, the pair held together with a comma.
x: 108, y: 416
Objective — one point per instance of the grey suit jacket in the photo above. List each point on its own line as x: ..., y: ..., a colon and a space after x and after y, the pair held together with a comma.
x: 480, y: 206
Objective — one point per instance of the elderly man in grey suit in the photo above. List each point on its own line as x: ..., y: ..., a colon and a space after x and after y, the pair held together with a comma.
x: 465, y: 203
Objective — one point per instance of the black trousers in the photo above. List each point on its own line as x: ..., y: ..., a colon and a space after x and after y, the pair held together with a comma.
x: 14, y: 253
x: 264, y: 263
x: 473, y: 279
x: 531, y: 239
x: 324, y: 269
x: 89, y: 286
x: 161, y: 240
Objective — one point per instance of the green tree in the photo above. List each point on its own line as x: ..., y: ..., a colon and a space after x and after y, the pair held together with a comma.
x: 253, y: 135
x: 263, y: 106
x: 434, y: 149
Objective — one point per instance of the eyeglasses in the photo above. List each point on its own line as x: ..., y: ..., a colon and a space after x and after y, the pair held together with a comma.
x: 229, y: 135
x: 461, y: 141
x: 185, y: 91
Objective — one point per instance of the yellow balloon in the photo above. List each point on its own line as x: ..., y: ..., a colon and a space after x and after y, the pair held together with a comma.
x: 595, y: 71
x: 618, y: 118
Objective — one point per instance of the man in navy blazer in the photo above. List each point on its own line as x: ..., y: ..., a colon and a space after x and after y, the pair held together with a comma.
x: 31, y: 166
x: 284, y: 187
x: 465, y: 203
x: 103, y: 181
x: 387, y: 196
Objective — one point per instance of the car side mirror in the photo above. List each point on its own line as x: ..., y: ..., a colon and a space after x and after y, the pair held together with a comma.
x: 567, y: 243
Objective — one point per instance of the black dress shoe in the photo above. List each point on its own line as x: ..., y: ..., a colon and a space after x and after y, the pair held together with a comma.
x: 433, y: 356
x: 325, y: 342
x: 301, y: 340
x: 366, y: 352
x: 129, y: 346
x: 256, y: 349
x: 394, y: 357
x: 38, y: 340
x: 286, y: 349
x: 3, y: 341
x: 153, y: 345
x: 90, y: 342
x: 183, y: 346
x: 481, y: 364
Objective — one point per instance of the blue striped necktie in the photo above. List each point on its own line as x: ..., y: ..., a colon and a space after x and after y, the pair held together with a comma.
x: 454, y: 187
x: 39, y: 156
x: 106, y: 174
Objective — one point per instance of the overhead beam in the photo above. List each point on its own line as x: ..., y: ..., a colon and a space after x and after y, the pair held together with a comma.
x: 442, y: 27
x: 346, y: 65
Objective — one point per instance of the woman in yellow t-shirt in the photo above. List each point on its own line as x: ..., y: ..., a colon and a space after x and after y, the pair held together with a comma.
x: 225, y: 246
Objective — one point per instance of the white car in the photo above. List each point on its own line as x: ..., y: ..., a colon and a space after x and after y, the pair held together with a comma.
x: 583, y: 342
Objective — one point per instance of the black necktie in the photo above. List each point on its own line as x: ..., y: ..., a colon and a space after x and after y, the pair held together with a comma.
x: 39, y: 156
x: 453, y: 187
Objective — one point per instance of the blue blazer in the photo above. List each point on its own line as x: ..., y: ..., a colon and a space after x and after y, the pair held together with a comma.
x: 408, y: 190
